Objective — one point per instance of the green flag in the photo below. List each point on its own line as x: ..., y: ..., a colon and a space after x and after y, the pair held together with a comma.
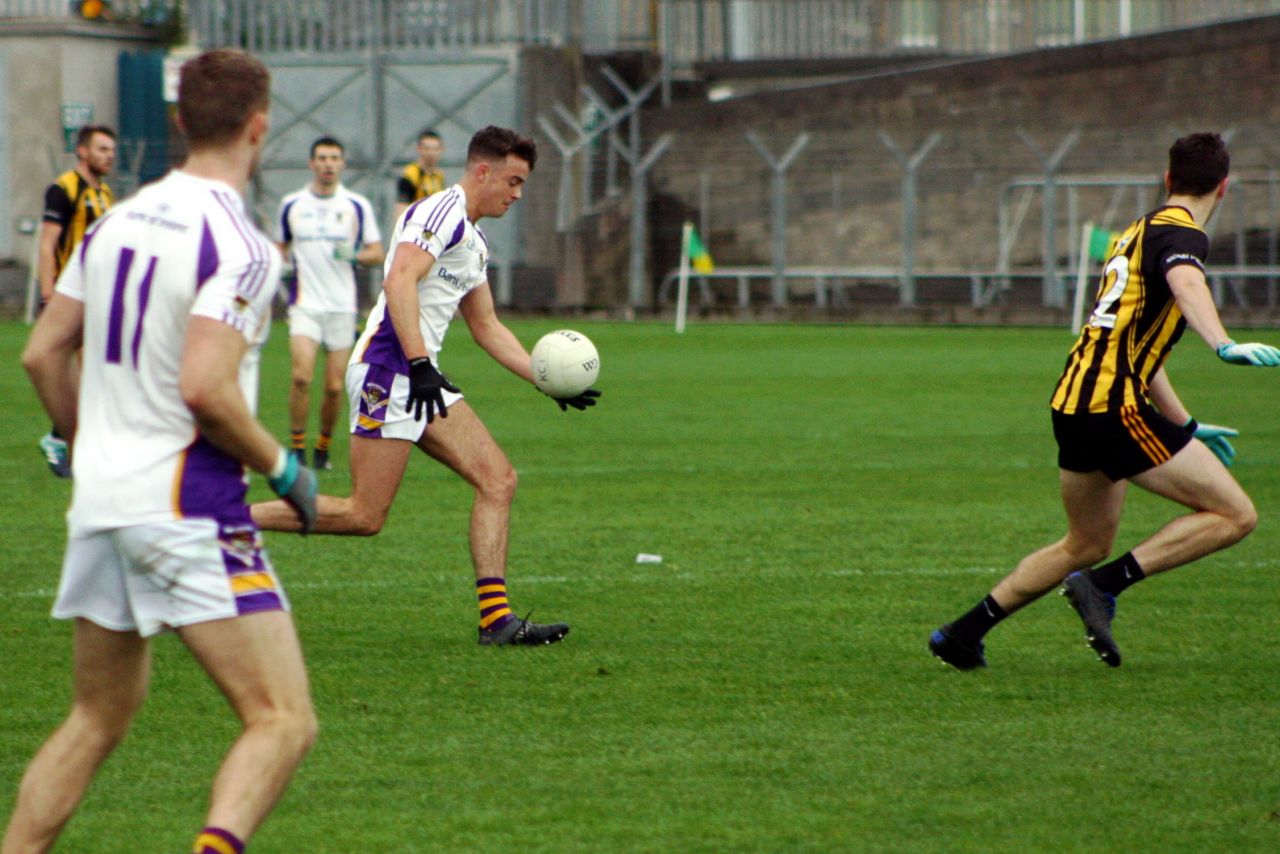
x: 1101, y: 242
x: 698, y: 253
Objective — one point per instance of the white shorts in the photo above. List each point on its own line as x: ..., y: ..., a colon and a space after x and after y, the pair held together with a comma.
x: 148, y: 578
x: 378, y: 396
x: 335, y: 330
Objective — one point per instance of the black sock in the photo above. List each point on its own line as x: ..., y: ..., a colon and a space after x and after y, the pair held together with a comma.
x: 981, y: 619
x: 1117, y: 576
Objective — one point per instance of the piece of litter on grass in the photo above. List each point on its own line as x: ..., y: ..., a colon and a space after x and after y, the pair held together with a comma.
x: 646, y: 558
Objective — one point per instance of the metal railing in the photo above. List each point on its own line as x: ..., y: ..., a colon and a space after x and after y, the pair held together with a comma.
x: 687, y: 32
x: 356, y: 25
x: 150, y: 13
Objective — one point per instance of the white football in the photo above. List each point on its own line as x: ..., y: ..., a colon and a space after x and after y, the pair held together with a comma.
x: 565, y: 363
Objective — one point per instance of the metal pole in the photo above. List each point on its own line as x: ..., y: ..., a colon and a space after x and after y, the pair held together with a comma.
x: 779, y: 192
x: 637, y: 289
x: 1053, y: 293
x: 910, y: 169
x: 1273, y: 202
x: 564, y: 198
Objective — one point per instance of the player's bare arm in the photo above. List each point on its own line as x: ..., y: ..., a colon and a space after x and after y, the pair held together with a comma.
x: 371, y: 255
x: 1166, y: 399
x: 409, y: 266
x: 209, y: 383
x: 50, y: 232
x: 50, y: 360
x: 1195, y: 300
x: 492, y: 334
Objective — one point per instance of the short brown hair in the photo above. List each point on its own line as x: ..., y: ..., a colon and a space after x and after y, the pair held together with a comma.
x: 217, y: 93
x: 1197, y: 164
x: 495, y: 143
x: 87, y: 131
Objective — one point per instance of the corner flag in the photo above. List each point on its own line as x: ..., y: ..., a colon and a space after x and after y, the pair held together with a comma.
x: 1101, y: 243
x: 698, y: 253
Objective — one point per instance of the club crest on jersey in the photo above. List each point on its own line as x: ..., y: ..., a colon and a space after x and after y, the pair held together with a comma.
x: 241, y: 304
x: 427, y: 234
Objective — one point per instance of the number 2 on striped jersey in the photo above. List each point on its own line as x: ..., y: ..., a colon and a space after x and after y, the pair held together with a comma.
x: 1104, y: 313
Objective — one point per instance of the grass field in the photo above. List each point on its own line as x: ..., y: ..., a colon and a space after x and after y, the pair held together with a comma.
x: 823, y: 497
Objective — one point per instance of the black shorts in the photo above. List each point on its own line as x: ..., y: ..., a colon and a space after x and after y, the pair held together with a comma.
x: 1120, y: 444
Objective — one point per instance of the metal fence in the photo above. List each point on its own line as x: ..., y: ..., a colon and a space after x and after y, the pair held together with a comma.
x: 356, y: 25
x: 150, y: 13
x: 684, y: 32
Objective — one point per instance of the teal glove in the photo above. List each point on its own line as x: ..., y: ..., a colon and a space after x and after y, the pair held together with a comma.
x: 297, y: 485
x: 1214, y: 438
x: 1258, y: 355
x: 343, y: 252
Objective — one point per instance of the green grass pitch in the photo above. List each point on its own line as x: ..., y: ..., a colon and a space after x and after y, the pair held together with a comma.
x: 823, y: 497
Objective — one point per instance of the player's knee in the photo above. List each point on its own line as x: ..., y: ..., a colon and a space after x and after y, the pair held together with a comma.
x: 301, y: 382
x: 1087, y: 552
x: 1243, y: 519
x: 102, y: 725
x: 293, y: 726
x: 500, y: 484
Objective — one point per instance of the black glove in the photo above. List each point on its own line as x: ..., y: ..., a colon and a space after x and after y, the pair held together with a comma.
x: 425, y: 384
x: 582, y: 401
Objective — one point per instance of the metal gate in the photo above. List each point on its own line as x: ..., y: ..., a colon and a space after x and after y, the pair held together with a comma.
x: 375, y: 104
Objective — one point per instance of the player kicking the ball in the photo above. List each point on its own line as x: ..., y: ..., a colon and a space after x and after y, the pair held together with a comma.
x: 1117, y: 420
x: 400, y: 399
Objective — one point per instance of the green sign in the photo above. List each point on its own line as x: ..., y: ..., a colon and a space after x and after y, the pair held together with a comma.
x: 74, y: 117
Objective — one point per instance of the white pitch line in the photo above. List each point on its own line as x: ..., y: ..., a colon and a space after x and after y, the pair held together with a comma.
x: 628, y: 572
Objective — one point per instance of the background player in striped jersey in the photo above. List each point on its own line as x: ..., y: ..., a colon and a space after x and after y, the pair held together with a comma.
x: 170, y: 295
x: 1117, y: 420
x: 423, y: 177
x: 436, y: 268
x: 323, y: 228
x: 71, y: 204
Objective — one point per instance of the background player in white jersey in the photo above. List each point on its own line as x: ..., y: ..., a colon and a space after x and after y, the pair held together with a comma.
x: 323, y: 228
x: 436, y: 267
x: 169, y: 295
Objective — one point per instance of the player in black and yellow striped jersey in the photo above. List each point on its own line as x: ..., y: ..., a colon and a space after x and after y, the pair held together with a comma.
x: 1117, y: 419
x: 71, y: 204
x: 423, y: 177
x: 73, y: 201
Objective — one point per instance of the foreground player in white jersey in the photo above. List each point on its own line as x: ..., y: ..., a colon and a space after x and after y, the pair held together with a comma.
x: 437, y: 266
x: 170, y: 294
x: 323, y: 228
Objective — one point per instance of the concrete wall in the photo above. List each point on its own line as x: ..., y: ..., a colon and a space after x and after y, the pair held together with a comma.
x: 44, y: 66
x: 1130, y: 99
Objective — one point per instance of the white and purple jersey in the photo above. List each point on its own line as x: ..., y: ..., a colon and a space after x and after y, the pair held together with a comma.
x: 313, y: 226
x: 437, y: 224
x: 181, y: 247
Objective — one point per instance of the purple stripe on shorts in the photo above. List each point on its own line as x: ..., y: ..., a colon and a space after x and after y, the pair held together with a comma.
x: 208, y: 264
x: 384, y: 348
x: 375, y: 398
x: 212, y: 484
x: 266, y: 600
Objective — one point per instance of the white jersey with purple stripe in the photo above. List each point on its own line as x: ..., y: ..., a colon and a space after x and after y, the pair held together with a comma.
x: 313, y: 226
x: 181, y: 247
x: 437, y: 224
